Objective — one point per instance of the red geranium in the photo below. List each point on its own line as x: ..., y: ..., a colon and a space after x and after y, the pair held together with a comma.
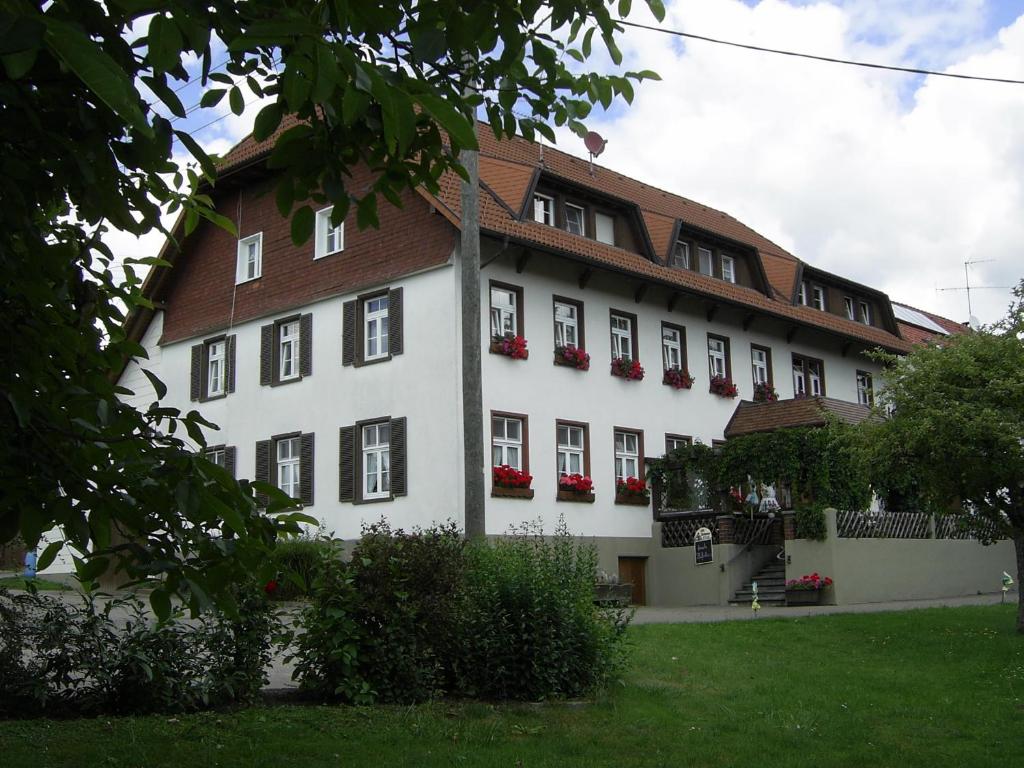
x: 723, y: 387
x: 576, y: 482
x: 573, y: 356
x: 632, y: 486
x: 627, y: 369
x: 509, y: 477
x: 677, y: 378
x: 512, y: 346
x: 765, y: 393
x: 809, y: 582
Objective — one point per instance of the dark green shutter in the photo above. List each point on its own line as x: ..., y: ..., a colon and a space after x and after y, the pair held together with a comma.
x: 267, y: 355
x: 348, y: 333
x: 263, y: 448
x: 306, y: 469
x: 196, y: 384
x: 399, y: 462
x: 229, y: 358
x: 230, y: 456
x: 306, y: 345
x: 347, y: 464
x: 395, y: 321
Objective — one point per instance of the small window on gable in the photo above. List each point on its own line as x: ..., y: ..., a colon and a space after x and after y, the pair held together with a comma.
x: 728, y: 269
x: 250, y: 258
x: 704, y: 259
x: 680, y: 255
x: 328, y: 239
x: 574, y: 219
x: 544, y: 209
x: 865, y: 313
x: 604, y: 226
x: 848, y: 306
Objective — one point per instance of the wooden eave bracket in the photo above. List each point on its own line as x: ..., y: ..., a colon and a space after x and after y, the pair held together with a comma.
x: 641, y: 290
x: 791, y: 333
x: 748, y: 320
x: 585, y: 276
x: 845, y: 348
x: 524, y: 257
x: 712, y: 311
x: 673, y: 299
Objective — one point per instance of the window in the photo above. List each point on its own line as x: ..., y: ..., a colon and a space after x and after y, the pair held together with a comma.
x: 574, y: 219
x: 215, y: 455
x: 544, y: 209
x: 672, y: 347
x: 808, y: 377
x: 288, y: 460
x: 505, y: 309
x: 572, y: 449
x: 718, y: 356
x: 623, y: 336
x: 865, y: 313
x: 222, y: 456
x: 627, y: 455
x: 704, y: 261
x: 328, y: 239
x: 604, y: 226
x: 288, y: 350
x: 680, y: 255
x: 508, y: 437
x: 213, y: 369
x: 818, y: 297
x: 376, y: 442
x: 372, y: 328
x: 675, y: 442
x: 761, y: 365
x: 250, y: 258
x: 848, y: 306
x: 375, y: 327
x: 865, y: 388
x: 729, y: 269
x: 802, y: 296
x: 568, y: 323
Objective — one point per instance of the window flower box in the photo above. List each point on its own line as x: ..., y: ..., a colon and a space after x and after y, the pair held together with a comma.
x: 576, y: 487
x: 677, y: 378
x: 632, y: 490
x: 510, y: 482
x: 625, y: 368
x: 573, y: 357
x: 510, y: 346
x: 765, y: 393
x: 498, y: 491
x: 806, y: 590
x: 723, y: 387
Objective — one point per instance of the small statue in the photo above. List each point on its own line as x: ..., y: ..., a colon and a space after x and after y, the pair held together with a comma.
x: 769, y: 504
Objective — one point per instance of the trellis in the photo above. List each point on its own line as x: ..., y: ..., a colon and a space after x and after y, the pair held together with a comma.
x: 883, y: 525
x: 679, y: 531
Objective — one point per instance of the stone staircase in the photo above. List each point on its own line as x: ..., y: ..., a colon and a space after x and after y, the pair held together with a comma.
x: 771, y: 586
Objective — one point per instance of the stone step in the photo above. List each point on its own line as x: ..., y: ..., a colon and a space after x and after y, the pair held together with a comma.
x: 746, y: 594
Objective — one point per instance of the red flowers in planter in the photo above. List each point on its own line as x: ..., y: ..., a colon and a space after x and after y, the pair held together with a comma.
x: 677, y: 378
x: 723, y: 387
x: 576, y: 482
x: 627, y: 369
x: 270, y: 587
x: 811, y: 581
x: 573, y: 356
x: 765, y: 393
x: 509, y: 477
x: 510, y: 346
x: 633, y: 487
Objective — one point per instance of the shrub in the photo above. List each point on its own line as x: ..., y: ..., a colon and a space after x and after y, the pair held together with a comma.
x: 295, y: 564
x: 810, y: 523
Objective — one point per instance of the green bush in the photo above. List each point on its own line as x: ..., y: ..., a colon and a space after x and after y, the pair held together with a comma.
x: 295, y: 564
x: 810, y: 523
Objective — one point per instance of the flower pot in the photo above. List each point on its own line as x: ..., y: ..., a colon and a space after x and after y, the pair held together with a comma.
x: 512, y: 493
x: 586, y: 497
x: 631, y: 498
x: 803, y: 596
x: 496, y: 349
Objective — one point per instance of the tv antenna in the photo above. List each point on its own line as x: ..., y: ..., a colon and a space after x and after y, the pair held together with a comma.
x: 595, y: 144
x: 971, y: 319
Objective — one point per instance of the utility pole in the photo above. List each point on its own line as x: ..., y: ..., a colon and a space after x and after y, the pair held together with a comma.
x: 472, y: 384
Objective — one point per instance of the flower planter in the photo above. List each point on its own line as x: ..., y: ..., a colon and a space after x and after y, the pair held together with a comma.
x: 613, y: 594
x: 803, y: 596
x: 586, y: 497
x: 631, y: 498
x: 512, y: 493
x: 573, y: 358
x: 497, y: 348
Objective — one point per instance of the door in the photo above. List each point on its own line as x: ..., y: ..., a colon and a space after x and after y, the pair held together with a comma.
x: 631, y: 571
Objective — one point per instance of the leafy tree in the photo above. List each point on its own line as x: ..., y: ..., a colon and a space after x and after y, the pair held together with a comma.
x: 89, y: 95
x: 956, y: 436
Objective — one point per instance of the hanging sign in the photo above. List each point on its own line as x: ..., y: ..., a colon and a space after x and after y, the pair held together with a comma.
x: 703, y: 549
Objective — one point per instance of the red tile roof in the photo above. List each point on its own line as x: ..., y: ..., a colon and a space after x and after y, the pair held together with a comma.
x: 750, y: 417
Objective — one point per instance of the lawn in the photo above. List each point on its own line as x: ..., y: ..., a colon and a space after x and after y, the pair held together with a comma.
x: 938, y: 687
x: 43, y: 585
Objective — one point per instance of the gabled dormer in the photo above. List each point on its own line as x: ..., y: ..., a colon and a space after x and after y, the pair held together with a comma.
x: 706, y: 253
x: 844, y: 298
x: 585, y: 212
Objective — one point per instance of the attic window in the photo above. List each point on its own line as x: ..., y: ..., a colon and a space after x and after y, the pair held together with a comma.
x: 704, y: 261
x: 604, y: 226
x: 728, y: 269
x: 544, y: 209
x: 848, y: 304
x: 802, y: 297
x: 574, y: 219
x: 818, y: 297
x: 865, y: 313
x: 681, y: 255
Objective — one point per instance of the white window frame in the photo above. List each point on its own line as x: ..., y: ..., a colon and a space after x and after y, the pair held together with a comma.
x: 566, y: 322
x: 675, y: 443
x: 802, y: 296
x: 582, y: 222
x: 501, y: 311
x: 705, y: 258
x: 716, y: 358
x: 506, y: 449
x: 378, y: 454
x: 250, y: 265
x: 376, y: 327
x: 325, y: 233
x: 544, y: 209
x: 814, y: 378
x: 217, y: 456
x: 818, y: 297
x: 568, y: 450
x: 759, y: 365
x: 681, y: 255
x: 622, y: 337
x: 865, y: 388
x: 288, y: 343
x: 799, y: 382
x: 671, y: 348
x: 289, y: 465
x: 627, y: 455
x: 216, y: 367
x: 728, y: 268
x: 599, y: 217
x: 850, y: 311
x: 865, y: 313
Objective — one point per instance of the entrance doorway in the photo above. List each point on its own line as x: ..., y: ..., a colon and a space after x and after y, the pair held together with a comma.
x: 631, y: 571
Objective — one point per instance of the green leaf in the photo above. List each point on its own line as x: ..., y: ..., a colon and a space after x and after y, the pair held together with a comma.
x: 164, y: 43
x: 161, y: 604
x: 267, y: 121
x: 158, y: 386
x: 657, y: 8
x: 17, y: 65
x: 197, y: 152
x: 212, y: 97
x: 49, y: 555
x: 92, y: 568
x: 302, y: 225
x: 236, y: 100
x: 448, y: 117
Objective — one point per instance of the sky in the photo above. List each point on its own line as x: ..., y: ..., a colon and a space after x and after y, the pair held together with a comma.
x: 892, y: 180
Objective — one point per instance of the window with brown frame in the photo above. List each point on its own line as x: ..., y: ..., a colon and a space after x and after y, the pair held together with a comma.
x: 572, y: 452
x: 624, y: 343
x: 286, y: 461
x: 719, y: 360
x: 213, y: 369
x: 223, y: 456
x: 373, y: 460
x: 808, y: 377
x: 673, y: 347
x: 373, y: 327
x: 286, y: 350
x: 675, y: 442
x: 510, y: 446
x: 568, y: 323
x: 761, y: 365
x: 506, y: 310
x: 629, y: 453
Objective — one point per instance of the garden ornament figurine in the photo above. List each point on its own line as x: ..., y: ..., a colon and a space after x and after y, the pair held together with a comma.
x: 755, y: 606
x: 1007, y: 583
x: 769, y: 503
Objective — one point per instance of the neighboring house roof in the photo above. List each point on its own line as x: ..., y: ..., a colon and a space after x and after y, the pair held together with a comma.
x: 918, y: 326
x: 750, y: 417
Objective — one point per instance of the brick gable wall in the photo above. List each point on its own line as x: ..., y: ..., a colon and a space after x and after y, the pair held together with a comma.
x: 199, y: 295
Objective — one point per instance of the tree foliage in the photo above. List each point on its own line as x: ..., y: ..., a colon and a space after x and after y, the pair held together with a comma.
x: 90, y: 102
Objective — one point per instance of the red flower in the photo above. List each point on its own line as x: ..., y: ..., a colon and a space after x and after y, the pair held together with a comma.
x: 677, y: 378
x: 505, y: 476
x: 576, y: 482
x: 512, y: 346
x: 723, y: 387
x: 270, y: 587
x: 632, y: 486
x: 574, y: 356
x: 765, y: 393
x: 627, y: 369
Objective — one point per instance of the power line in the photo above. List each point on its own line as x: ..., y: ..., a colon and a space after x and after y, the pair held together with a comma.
x: 869, y: 65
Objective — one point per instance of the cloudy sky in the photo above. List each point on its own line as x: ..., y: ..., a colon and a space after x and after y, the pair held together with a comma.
x: 894, y: 180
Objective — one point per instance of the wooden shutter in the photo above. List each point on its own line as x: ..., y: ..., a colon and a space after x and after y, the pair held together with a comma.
x: 229, y: 357
x: 263, y: 449
x: 306, y: 469
x: 196, y: 386
x: 399, y: 464
x: 348, y: 333
x: 347, y: 464
x: 267, y: 355
x: 306, y: 345
x: 395, y: 315
x: 230, y: 456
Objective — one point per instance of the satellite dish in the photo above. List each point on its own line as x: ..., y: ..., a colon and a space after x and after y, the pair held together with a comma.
x: 594, y: 143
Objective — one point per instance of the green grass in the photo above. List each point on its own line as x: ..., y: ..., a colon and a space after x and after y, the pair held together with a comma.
x: 939, y: 687
x: 43, y: 585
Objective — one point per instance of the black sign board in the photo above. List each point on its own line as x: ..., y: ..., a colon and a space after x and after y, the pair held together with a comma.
x: 703, y: 551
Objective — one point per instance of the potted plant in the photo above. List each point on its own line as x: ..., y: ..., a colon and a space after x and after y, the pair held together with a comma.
x: 608, y: 590
x: 571, y: 356
x: 632, y: 490
x: 806, y: 590
x: 576, y: 487
x: 677, y: 378
x: 510, y: 346
x: 765, y: 393
x: 627, y: 369
x: 511, y: 482
x: 723, y: 386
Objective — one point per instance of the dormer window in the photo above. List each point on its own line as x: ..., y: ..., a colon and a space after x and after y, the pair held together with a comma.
x: 704, y: 261
x: 604, y: 228
x: 865, y: 313
x: 802, y: 297
x: 544, y: 209
x: 574, y: 218
x: 728, y: 269
x: 818, y: 297
x: 680, y: 255
x: 848, y: 306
